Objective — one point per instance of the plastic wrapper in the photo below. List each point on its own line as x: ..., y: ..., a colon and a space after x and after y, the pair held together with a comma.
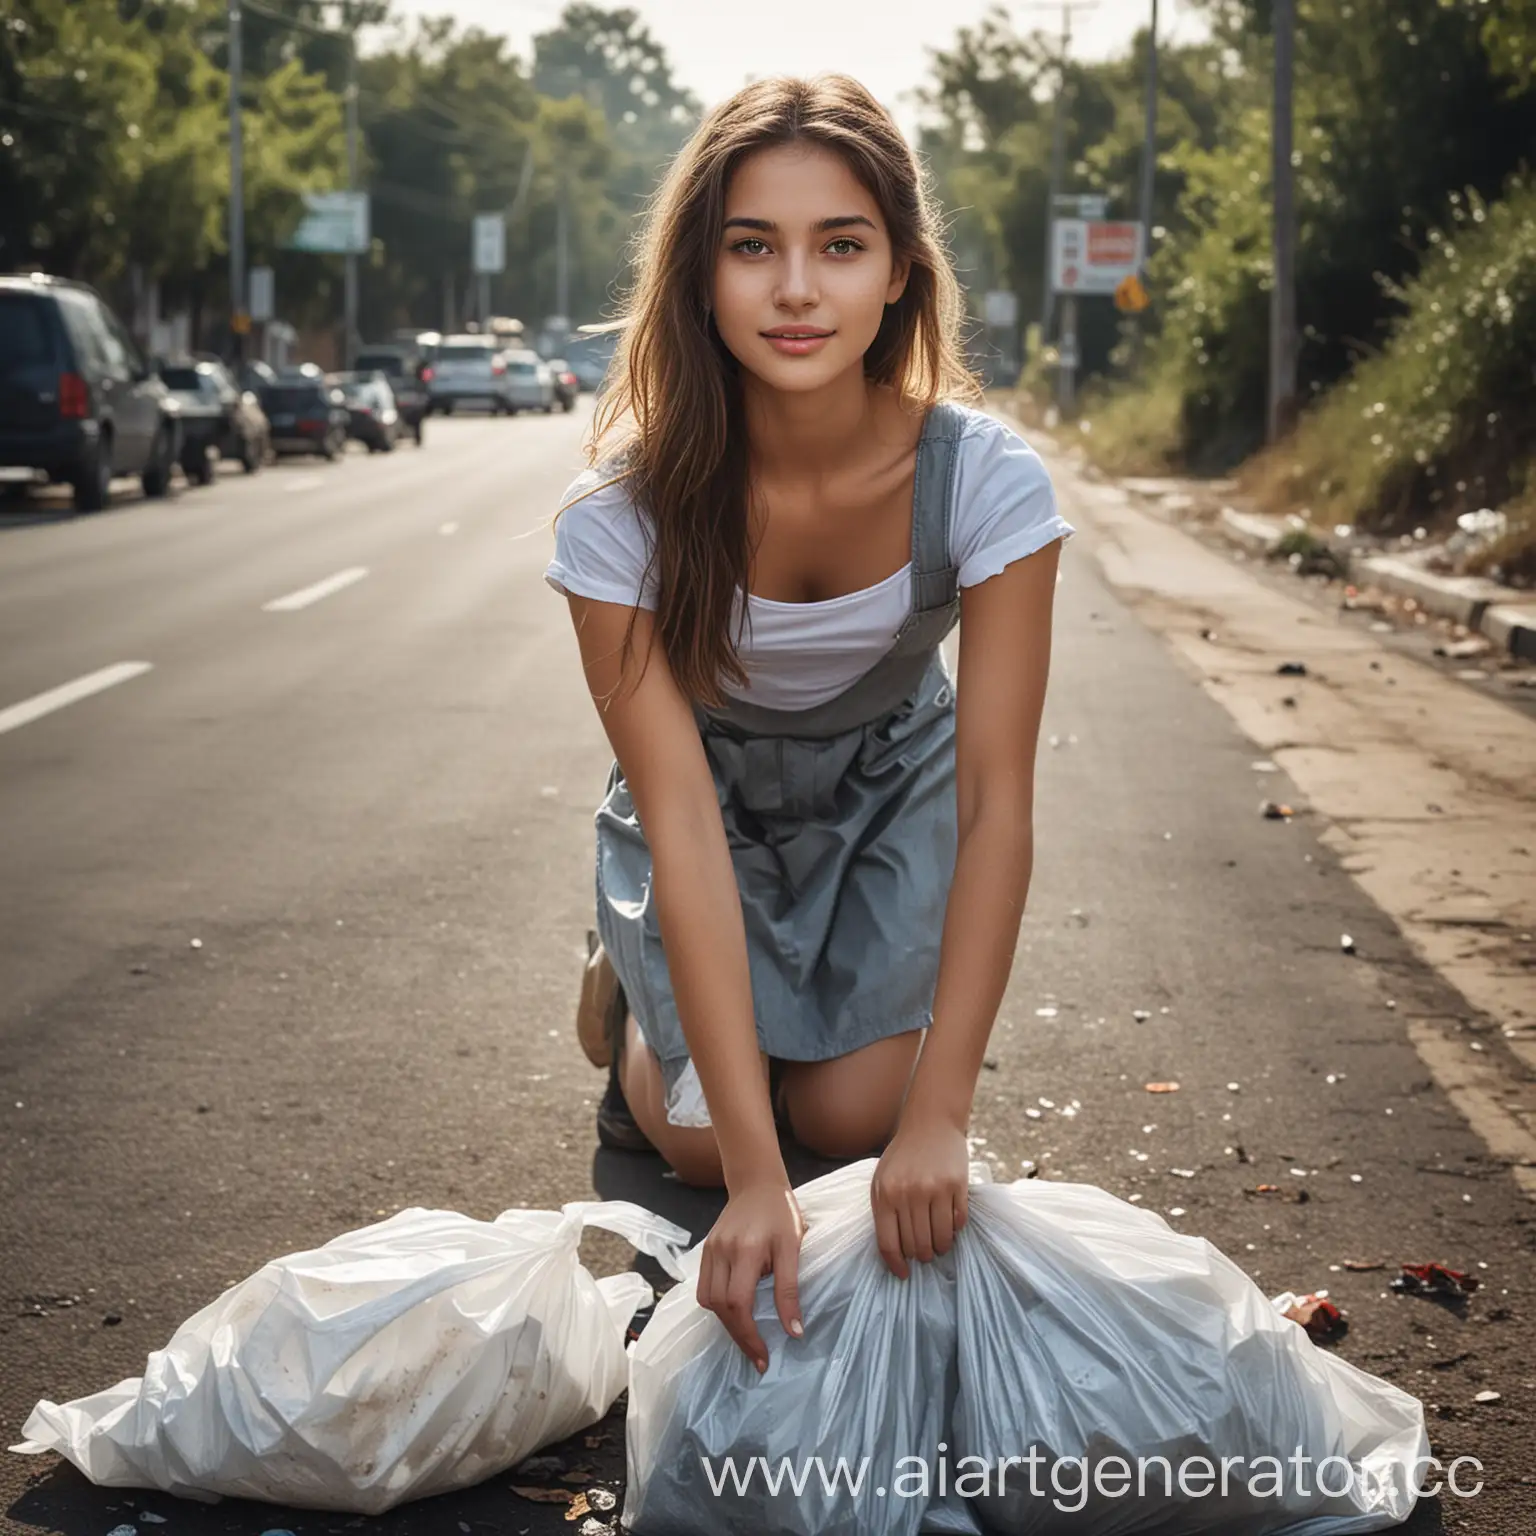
x: 412, y: 1357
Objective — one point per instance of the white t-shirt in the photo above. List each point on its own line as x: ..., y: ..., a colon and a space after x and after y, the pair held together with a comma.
x: 799, y: 655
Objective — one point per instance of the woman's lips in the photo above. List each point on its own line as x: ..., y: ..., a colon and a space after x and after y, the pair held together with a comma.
x: 798, y: 346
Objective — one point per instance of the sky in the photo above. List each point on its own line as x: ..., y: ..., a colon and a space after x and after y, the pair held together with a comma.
x: 715, y: 45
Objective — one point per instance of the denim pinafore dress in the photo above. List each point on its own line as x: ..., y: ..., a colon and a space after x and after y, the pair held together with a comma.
x: 841, y: 824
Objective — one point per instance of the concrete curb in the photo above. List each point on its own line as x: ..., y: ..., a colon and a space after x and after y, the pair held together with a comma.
x: 1504, y: 615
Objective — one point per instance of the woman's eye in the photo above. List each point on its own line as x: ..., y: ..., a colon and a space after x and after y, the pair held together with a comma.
x: 845, y: 246
x: 741, y: 245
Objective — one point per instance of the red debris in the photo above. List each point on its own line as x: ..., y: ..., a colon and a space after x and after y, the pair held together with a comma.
x: 1434, y: 1280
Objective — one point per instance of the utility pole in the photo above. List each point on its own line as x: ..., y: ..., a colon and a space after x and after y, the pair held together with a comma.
x: 349, y: 303
x: 1149, y: 151
x: 1282, y: 309
x: 237, y: 296
x: 1058, y: 154
x: 562, y: 255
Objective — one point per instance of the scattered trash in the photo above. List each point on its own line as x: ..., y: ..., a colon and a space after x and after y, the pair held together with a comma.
x: 1140, y: 1015
x: 1463, y: 650
x: 1175, y: 1210
x: 146, y: 1518
x: 543, y: 1495
x: 1272, y: 810
x: 1434, y: 1280
x: 1291, y: 669
x: 197, y: 943
x: 1182, y: 1173
x: 1208, y: 634
x: 1487, y: 1397
x: 1347, y: 944
x: 1362, y: 1266
x: 601, y: 1499
x: 1045, y: 1013
x: 1313, y: 1311
x: 1264, y: 765
x: 122, y: 1530
x: 1278, y: 1192
x: 1234, y: 1087
x: 592, y: 1526
x: 579, y: 1508
x: 1162, y: 1087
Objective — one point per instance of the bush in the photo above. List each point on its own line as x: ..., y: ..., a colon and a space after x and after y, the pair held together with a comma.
x: 1442, y: 419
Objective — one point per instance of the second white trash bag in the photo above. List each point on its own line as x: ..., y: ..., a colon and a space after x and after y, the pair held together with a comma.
x: 422, y: 1354
x: 1090, y: 1329
x: 870, y: 1380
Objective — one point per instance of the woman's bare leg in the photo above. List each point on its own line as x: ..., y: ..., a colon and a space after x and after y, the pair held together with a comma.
x: 691, y: 1150
x: 848, y: 1107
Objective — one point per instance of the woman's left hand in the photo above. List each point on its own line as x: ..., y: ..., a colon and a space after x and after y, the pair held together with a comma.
x: 920, y: 1192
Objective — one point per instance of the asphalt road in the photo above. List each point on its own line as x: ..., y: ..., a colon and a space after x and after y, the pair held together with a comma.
x: 291, y: 926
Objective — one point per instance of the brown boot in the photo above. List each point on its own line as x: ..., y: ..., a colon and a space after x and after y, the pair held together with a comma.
x: 600, y: 1013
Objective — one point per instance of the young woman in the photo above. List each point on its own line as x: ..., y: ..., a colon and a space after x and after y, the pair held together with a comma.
x: 814, y: 852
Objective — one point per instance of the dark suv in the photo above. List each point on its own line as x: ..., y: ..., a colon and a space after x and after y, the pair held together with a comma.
x: 78, y: 403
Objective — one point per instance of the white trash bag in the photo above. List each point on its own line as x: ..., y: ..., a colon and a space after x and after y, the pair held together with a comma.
x: 1091, y: 1330
x: 413, y: 1357
x: 808, y: 1448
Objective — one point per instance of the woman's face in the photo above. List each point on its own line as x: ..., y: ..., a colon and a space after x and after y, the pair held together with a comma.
x: 804, y: 270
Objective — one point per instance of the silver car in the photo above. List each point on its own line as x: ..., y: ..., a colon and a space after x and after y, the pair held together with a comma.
x: 530, y: 382
x: 470, y: 368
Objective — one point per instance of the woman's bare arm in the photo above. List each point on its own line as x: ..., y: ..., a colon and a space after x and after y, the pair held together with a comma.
x: 654, y: 735
x: 1005, y: 654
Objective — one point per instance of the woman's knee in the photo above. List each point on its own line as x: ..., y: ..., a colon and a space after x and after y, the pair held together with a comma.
x: 849, y: 1107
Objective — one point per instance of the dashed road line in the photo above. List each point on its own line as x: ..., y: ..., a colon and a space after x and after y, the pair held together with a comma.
x: 42, y: 704
x: 321, y: 589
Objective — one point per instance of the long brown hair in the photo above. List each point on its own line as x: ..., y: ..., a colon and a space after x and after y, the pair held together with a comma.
x: 672, y: 421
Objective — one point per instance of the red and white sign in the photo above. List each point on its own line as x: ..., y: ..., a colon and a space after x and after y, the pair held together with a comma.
x: 1093, y: 257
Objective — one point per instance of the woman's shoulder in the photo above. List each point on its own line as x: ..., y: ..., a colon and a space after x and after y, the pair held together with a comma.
x: 602, y: 539
x: 1004, y: 503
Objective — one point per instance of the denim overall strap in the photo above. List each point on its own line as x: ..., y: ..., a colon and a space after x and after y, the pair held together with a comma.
x: 935, y: 609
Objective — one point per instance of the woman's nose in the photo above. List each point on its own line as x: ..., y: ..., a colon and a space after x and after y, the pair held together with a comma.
x: 797, y: 279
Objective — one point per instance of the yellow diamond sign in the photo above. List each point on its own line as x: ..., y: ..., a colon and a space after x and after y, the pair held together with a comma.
x: 1131, y: 295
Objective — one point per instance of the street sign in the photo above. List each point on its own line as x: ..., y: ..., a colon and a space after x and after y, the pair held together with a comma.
x: 1000, y: 309
x: 1093, y: 257
x: 1131, y: 295
x: 1080, y: 205
x: 335, y: 223
x: 263, y: 294
x: 488, y: 244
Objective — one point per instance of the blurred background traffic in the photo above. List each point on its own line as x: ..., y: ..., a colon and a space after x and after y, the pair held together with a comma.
x: 1296, y: 235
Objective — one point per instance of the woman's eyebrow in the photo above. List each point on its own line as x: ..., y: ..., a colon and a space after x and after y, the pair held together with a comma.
x: 821, y: 226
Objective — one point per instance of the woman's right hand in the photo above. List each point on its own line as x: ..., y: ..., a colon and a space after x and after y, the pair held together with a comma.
x: 758, y: 1233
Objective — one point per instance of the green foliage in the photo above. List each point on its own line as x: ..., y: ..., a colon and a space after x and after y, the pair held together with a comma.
x: 1444, y: 416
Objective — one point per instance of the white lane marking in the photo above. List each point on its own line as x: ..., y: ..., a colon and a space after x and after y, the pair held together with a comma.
x: 448, y: 528
x: 304, y: 483
x: 70, y: 693
x: 321, y: 589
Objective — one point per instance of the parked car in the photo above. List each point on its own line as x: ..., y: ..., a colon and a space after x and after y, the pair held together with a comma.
x: 567, y: 385
x: 308, y: 415
x: 530, y: 384
x: 78, y: 402
x: 372, y: 416
x: 218, y: 419
x: 410, y: 377
x: 469, y: 368
x: 589, y: 352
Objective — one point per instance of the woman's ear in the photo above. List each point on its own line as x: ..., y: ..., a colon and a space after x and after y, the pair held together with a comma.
x: 901, y: 270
